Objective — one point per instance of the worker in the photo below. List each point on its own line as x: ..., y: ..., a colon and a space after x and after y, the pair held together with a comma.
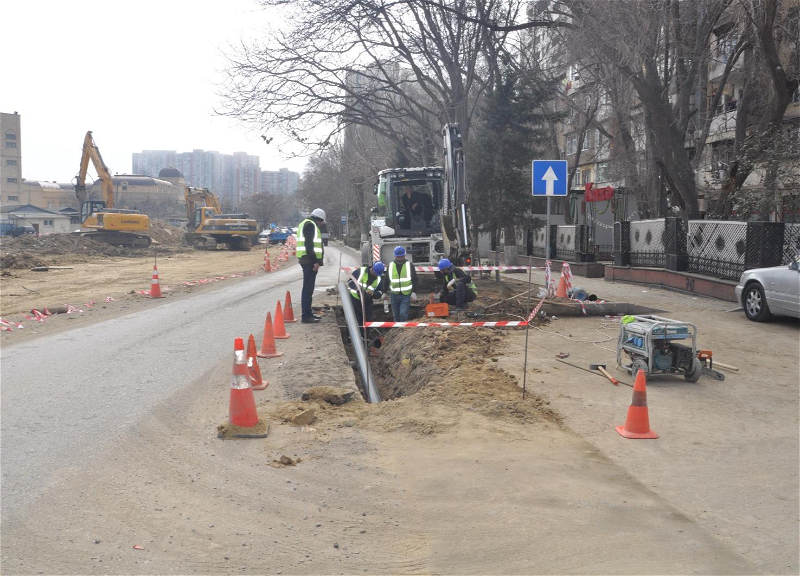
x: 458, y: 287
x: 310, y: 254
x: 369, y: 278
x: 402, y: 284
x: 417, y: 204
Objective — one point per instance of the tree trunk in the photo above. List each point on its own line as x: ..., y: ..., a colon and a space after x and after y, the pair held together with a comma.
x: 512, y: 254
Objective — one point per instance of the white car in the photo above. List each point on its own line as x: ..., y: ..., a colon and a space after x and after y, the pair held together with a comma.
x: 764, y: 292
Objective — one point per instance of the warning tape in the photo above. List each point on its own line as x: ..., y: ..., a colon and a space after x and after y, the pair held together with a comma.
x: 498, y: 324
x: 9, y: 326
x: 466, y: 268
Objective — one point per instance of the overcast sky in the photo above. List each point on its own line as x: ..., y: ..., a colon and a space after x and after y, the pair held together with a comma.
x: 141, y: 75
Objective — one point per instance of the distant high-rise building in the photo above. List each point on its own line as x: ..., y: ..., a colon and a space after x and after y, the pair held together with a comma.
x: 231, y: 176
x: 283, y: 181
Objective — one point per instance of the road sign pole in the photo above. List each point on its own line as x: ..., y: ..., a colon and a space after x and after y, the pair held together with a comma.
x: 547, y: 255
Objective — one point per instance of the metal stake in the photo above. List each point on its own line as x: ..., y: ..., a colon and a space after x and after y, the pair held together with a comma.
x: 527, y: 330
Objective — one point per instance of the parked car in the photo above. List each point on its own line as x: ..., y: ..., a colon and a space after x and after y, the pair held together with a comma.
x: 17, y: 231
x: 764, y: 292
x: 263, y: 237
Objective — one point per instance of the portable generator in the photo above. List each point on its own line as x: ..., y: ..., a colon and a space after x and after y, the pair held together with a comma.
x: 659, y: 346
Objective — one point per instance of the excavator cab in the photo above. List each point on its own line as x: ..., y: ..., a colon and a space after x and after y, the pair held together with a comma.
x: 89, y: 208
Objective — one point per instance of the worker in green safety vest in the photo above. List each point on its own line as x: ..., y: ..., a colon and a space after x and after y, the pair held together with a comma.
x: 310, y: 254
x: 458, y: 288
x: 368, y: 279
x: 402, y: 284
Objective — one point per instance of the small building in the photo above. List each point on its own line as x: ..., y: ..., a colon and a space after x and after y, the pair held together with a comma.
x: 43, y: 221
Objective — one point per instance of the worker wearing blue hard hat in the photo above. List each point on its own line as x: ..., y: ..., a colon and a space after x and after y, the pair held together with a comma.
x: 401, y: 282
x: 364, y: 286
x: 458, y: 289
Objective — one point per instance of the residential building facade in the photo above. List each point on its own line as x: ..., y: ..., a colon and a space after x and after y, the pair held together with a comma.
x: 281, y: 181
x: 10, y: 158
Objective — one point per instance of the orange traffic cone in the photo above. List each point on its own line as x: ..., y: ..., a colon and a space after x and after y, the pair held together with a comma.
x: 268, y: 343
x: 637, y: 423
x: 243, y: 405
x: 256, y: 382
x: 155, y: 287
x: 561, y: 292
x: 267, y: 265
x: 279, y: 328
x: 287, y: 309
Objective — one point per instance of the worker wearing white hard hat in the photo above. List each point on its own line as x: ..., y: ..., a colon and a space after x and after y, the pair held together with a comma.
x: 310, y: 254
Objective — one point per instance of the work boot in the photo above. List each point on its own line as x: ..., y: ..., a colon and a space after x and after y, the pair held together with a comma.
x: 312, y: 320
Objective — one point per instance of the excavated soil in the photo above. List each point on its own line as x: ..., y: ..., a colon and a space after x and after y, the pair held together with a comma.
x: 427, y: 381
x: 62, y: 249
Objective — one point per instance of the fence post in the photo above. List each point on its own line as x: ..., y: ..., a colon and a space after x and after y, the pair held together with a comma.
x: 583, y: 252
x: 675, y: 231
x: 622, y: 243
x: 763, y: 244
x: 553, y: 241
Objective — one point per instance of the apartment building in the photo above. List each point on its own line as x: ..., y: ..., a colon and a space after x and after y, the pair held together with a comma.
x: 10, y: 158
x: 281, y: 181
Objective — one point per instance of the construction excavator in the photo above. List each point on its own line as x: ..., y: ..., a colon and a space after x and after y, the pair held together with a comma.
x: 208, y: 227
x: 99, y: 219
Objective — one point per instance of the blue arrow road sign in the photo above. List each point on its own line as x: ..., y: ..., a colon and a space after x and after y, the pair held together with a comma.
x: 549, y: 178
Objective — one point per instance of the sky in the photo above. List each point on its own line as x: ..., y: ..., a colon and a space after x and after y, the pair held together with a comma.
x: 140, y: 75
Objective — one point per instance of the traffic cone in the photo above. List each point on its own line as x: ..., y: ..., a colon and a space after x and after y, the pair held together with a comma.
x: 256, y: 382
x: 637, y: 422
x: 155, y: 287
x: 279, y: 328
x: 242, y: 405
x: 267, y: 265
x: 268, y: 343
x: 287, y: 309
x: 561, y: 292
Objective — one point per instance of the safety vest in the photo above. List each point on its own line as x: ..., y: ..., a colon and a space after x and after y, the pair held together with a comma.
x: 400, y: 284
x: 301, y: 243
x: 471, y: 285
x: 363, y: 276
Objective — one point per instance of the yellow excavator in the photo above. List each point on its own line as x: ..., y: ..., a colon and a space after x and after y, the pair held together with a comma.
x: 99, y: 219
x: 208, y: 227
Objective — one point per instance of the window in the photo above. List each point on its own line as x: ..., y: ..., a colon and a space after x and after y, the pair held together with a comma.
x: 586, y: 177
x: 572, y: 144
x: 11, y: 180
x: 11, y: 162
x: 11, y: 136
x: 587, y: 136
x: 51, y: 204
x: 48, y: 222
x: 13, y: 198
x: 603, y: 172
x: 11, y: 144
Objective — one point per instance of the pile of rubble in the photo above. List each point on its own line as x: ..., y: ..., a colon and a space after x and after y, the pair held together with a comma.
x: 58, y: 249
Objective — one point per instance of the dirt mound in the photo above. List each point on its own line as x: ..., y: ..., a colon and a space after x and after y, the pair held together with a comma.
x: 453, y: 367
x: 59, y: 249
x: 165, y: 234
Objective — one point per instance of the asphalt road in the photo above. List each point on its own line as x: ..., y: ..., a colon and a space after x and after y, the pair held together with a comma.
x: 63, y: 397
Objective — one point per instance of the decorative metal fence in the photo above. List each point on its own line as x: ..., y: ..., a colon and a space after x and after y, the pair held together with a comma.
x: 539, y: 242
x: 717, y: 248
x: 565, y: 243
x: 648, y: 246
x: 791, y: 243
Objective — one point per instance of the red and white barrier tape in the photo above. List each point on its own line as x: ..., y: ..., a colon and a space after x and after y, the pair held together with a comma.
x: 498, y: 324
x: 466, y: 268
x: 566, y: 272
x: 5, y: 325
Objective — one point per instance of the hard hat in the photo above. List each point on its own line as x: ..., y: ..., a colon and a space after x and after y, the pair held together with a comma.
x: 378, y: 268
x: 399, y: 251
x: 319, y: 213
x: 444, y: 264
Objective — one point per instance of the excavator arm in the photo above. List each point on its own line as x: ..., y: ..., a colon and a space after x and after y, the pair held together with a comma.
x: 92, y: 152
x: 455, y: 224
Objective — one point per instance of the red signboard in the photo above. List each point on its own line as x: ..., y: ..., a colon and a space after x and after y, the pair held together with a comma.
x: 598, y: 194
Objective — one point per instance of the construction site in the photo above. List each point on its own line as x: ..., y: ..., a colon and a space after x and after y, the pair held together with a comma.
x: 467, y: 464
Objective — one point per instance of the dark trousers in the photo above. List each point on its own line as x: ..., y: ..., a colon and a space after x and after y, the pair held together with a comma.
x: 458, y: 296
x: 367, y: 309
x: 309, y: 279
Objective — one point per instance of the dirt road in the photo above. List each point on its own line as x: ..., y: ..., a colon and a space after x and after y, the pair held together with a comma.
x: 460, y: 477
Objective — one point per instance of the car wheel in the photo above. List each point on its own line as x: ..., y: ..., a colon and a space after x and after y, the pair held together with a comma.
x: 755, y: 303
x: 696, y: 372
